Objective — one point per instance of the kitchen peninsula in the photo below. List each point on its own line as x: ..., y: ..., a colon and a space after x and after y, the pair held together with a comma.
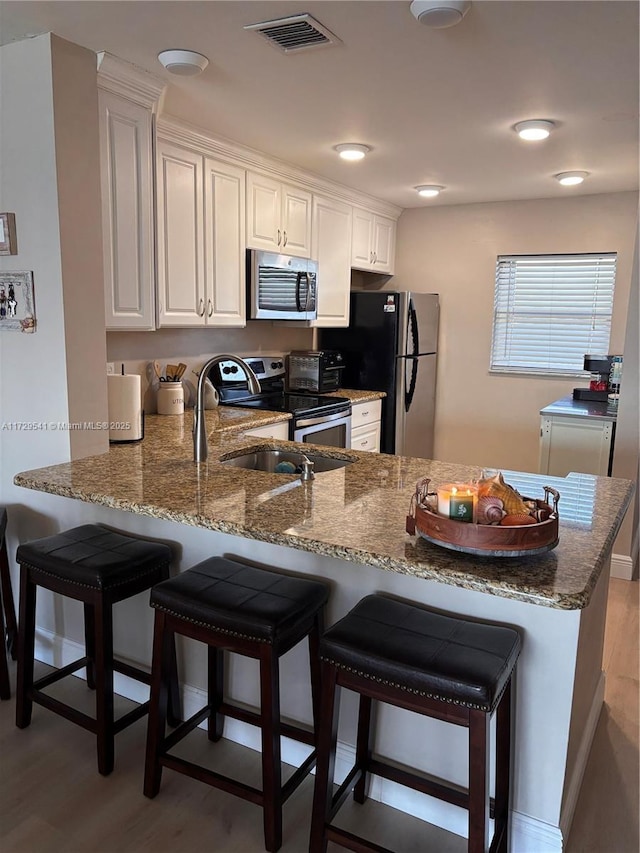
x: 348, y: 526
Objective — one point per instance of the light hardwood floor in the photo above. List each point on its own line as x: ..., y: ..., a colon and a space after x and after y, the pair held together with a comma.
x: 52, y: 799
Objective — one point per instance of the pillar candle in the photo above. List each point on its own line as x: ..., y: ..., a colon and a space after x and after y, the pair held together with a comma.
x: 457, y: 501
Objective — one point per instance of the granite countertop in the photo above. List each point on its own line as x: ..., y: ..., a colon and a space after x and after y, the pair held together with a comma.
x: 569, y: 407
x: 356, y: 513
x: 357, y: 396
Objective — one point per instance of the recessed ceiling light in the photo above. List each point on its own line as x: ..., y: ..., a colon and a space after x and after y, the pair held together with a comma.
x: 534, y: 130
x: 429, y: 190
x: 184, y: 63
x: 439, y: 14
x: 352, y: 150
x: 570, y: 179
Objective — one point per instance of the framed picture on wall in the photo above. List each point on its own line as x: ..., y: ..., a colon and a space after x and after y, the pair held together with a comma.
x: 8, y: 242
x: 17, y: 306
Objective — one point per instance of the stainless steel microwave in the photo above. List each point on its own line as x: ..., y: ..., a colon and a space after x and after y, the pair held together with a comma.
x: 281, y: 287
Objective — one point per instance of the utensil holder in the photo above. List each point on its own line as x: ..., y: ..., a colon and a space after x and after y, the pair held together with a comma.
x: 170, y: 398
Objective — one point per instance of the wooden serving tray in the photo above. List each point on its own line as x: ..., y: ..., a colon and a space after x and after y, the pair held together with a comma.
x: 487, y: 539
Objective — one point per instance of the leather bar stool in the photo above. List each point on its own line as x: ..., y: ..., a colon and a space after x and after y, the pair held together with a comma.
x: 439, y: 666
x: 98, y: 567
x: 254, y: 612
x: 8, y: 625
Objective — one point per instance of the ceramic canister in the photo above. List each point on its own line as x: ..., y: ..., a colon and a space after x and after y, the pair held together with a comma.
x: 170, y: 398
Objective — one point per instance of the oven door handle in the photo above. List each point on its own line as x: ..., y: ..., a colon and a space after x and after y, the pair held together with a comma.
x: 323, y: 419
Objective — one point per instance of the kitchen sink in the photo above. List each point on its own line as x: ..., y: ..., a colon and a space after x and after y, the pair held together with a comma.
x: 284, y: 462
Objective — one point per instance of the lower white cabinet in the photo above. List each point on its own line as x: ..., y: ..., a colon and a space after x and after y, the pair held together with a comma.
x: 331, y: 247
x: 279, y: 431
x: 365, y: 426
x: 575, y: 444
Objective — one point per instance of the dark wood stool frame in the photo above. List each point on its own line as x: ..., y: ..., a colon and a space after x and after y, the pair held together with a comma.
x: 8, y: 624
x: 99, y: 659
x: 476, y: 799
x: 273, y: 794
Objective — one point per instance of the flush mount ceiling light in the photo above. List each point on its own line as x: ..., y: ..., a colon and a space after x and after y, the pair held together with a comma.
x: 429, y: 190
x: 352, y: 150
x: 184, y: 63
x: 439, y: 14
x: 534, y: 130
x: 570, y: 179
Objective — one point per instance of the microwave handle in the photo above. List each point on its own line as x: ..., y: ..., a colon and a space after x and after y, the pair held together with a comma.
x: 306, y: 278
x: 298, y: 278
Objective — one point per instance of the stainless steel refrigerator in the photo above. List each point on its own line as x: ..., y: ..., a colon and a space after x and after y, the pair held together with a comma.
x: 391, y: 345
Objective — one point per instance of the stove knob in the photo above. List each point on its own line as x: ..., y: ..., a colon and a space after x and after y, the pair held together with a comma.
x: 275, y: 365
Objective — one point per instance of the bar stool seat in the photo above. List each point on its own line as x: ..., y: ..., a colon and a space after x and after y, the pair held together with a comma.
x: 98, y: 567
x: 8, y: 624
x: 254, y: 612
x: 436, y: 665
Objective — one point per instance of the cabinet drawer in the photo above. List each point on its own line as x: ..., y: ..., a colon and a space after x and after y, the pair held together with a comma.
x: 366, y: 437
x: 279, y: 430
x: 365, y: 413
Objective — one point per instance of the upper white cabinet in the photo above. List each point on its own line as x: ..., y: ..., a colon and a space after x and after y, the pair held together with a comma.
x: 127, y: 100
x: 278, y: 216
x: 201, y: 238
x: 374, y: 242
x: 331, y: 247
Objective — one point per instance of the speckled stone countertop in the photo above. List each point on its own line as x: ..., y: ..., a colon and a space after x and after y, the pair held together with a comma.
x: 357, y: 396
x: 356, y: 513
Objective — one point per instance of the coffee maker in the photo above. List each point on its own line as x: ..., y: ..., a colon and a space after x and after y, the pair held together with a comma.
x: 606, y: 373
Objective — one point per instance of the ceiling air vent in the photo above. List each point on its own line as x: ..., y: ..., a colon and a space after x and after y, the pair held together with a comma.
x: 299, y: 32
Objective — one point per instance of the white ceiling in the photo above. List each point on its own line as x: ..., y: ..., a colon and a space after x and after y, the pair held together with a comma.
x: 436, y: 106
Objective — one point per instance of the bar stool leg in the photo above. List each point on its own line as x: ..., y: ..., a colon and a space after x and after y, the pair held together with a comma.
x: 90, y: 645
x: 271, y: 766
x: 503, y: 769
x: 314, y: 669
x: 26, y: 649
x: 325, y: 765
x: 103, y: 619
x: 11, y: 625
x: 478, y: 781
x: 363, y: 747
x: 158, y: 700
x: 5, y: 686
x: 215, y: 682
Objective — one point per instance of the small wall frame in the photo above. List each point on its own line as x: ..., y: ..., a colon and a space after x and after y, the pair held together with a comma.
x: 8, y: 241
x: 17, y: 306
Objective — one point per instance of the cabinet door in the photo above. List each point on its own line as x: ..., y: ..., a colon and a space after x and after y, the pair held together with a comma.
x: 296, y: 222
x: 573, y: 444
x: 362, y: 239
x: 224, y: 226
x: 181, y: 295
x: 331, y: 247
x: 264, y: 210
x: 126, y: 171
x: 384, y: 240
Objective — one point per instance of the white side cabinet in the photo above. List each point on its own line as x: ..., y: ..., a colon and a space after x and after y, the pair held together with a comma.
x: 575, y: 444
x: 374, y: 242
x: 331, y: 247
x: 278, y: 216
x: 365, y: 426
x: 200, y: 222
x: 279, y: 431
x: 127, y: 99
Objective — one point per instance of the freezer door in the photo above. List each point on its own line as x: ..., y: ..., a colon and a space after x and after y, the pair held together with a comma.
x: 419, y: 316
x: 415, y: 406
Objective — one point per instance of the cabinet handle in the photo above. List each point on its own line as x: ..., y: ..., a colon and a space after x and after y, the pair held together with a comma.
x: 364, y: 414
x: 201, y: 308
x: 370, y: 257
x: 375, y: 257
x: 364, y: 443
x: 210, y: 311
x: 278, y: 236
x: 284, y: 243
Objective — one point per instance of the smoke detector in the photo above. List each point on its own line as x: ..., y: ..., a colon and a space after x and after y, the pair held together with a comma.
x: 184, y: 63
x: 439, y: 14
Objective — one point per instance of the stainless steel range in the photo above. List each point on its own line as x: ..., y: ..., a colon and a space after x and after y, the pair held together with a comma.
x: 315, y: 419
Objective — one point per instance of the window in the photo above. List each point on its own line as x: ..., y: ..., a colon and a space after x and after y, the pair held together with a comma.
x: 551, y: 310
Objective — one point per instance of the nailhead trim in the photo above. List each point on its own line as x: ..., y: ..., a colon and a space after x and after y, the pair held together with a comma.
x: 406, y: 689
x: 131, y: 578
x: 201, y: 624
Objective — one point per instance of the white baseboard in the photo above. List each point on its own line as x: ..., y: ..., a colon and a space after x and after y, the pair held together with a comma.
x: 528, y: 835
x: 588, y: 733
x: 621, y: 567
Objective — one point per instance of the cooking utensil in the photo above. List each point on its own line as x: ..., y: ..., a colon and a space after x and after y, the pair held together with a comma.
x: 180, y: 371
x: 171, y: 372
x: 156, y: 369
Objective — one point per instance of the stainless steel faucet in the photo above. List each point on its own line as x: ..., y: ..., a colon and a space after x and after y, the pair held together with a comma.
x: 200, y: 445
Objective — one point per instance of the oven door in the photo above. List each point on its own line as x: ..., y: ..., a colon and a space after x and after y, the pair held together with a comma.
x: 330, y: 430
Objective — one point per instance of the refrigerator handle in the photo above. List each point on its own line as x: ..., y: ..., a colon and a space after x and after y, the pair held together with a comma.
x: 413, y: 319
x: 408, y: 396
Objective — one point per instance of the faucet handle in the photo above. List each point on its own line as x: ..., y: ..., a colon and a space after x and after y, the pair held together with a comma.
x: 307, y: 469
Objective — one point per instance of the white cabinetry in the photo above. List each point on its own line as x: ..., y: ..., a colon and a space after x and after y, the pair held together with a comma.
x: 279, y: 430
x: 127, y: 99
x: 374, y: 242
x: 331, y: 247
x: 365, y: 425
x: 278, y: 216
x: 575, y: 444
x: 200, y: 220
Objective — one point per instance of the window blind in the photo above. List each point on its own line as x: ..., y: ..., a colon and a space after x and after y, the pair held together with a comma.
x: 551, y: 310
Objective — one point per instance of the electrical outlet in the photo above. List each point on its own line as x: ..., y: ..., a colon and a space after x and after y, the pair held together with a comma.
x: 111, y: 368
